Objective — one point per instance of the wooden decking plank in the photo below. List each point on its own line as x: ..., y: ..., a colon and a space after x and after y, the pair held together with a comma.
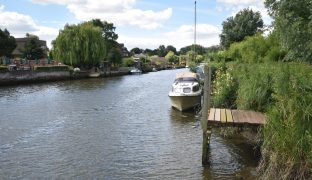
x: 229, y: 117
x: 245, y: 115
x: 261, y: 118
x: 217, y: 115
x: 253, y: 116
x: 257, y: 117
x: 211, y: 116
x: 236, y: 116
x: 223, y: 116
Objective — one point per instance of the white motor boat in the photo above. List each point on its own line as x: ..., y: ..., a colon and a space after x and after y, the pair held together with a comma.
x: 135, y: 71
x: 186, y: 91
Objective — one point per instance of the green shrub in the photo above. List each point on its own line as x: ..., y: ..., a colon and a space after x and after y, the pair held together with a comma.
x: 256, y: 49
x: 127, y: 62
x: 224, y: 87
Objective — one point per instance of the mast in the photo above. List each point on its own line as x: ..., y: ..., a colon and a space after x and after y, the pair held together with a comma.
x: 195, y: 19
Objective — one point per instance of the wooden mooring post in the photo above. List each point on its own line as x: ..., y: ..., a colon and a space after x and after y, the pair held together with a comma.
x: 204, y: 118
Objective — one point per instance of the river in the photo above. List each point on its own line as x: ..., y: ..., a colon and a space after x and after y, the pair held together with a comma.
x: 110, y: 128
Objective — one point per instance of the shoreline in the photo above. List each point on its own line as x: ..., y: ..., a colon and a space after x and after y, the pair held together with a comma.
x: 11, y: 78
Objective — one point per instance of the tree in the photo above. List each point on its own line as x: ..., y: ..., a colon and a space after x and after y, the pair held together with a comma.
x: 171, y: 57
x: 114, y: 56
x: 161, y: 51
x: 213, y: 49
x: 293, y: 23
x: 128, y: 62
x: 107, y: 28
x: 136, y: 50
x: 149, y: 52
x: 235, y: 29
x: 171, y: 48
x: 7, y: 43
x: 80, y: 45
x: 199, y: 49
x: 33, y: 49
x: 108, y: 33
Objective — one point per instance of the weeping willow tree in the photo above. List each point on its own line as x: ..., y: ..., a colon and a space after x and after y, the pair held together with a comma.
x: 80, y: 45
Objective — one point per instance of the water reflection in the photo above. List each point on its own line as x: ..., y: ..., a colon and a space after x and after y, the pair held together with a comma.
x: 183, y: 117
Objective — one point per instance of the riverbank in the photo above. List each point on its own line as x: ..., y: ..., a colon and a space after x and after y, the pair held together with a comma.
x: 16, y: 77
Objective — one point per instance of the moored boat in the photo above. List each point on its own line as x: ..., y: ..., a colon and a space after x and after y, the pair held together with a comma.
x: 135, y: 71
x: 186, y: 91
x: 94, y: 74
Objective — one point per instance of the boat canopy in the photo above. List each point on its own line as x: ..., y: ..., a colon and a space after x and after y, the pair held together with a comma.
x: 186, y: 75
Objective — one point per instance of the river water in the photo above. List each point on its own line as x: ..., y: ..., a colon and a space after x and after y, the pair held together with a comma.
x: 110, y: 128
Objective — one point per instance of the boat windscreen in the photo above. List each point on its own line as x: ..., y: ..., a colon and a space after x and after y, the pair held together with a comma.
x: 186, y: 79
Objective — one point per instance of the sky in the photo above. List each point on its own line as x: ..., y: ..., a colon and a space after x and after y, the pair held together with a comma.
x: 139, y: 23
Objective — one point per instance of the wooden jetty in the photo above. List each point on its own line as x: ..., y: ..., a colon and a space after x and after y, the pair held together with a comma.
x: 222, y: 117
x: 235, y: 117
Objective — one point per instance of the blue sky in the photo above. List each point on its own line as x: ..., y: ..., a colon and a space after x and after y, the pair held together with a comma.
x: 139, y: 23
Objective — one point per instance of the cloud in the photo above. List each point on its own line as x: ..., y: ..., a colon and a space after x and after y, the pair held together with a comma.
x: 120, y: 12
x: 234, y: 6
x: 241, y: 2
x: 19, y: 24
x: 207, y: 35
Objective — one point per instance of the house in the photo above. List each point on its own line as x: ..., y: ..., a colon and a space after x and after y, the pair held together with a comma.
x: 20, y: 47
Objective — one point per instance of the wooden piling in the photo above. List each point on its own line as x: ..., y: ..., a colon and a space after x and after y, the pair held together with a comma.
x: 204, y: 120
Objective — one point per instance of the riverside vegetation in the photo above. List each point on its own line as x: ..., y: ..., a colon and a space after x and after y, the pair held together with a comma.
x: 272, y: 74
x: 283, y: 92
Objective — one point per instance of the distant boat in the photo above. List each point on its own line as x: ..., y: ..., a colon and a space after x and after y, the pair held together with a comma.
x: 186, y: 91
x: 94, y: 74
x: 135, y: 71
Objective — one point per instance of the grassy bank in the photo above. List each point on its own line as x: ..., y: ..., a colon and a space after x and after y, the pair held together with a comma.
x: 283, y: 91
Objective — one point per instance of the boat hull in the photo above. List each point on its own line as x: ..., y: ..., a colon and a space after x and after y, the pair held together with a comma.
x: 94, y: 74
x: 183, y: 103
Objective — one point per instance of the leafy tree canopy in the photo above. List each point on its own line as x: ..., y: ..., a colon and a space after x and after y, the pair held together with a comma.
x: 7, y: 43
x: 171, y: 57
x: 293, y: 22
x: 171, y: 48
x: 107, y: 28
x: 33, y: 49
x: 136, y: 50
x: 109, y: 35
x: 80, y: 45
x: 161, y: 51
x: 235, y: 29
x: 213, y: 49
x: 199, y: 49
x: 114, y: 56
x: 149, y: 52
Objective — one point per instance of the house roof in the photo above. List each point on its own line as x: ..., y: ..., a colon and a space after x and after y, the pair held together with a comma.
x: 20, y: 45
